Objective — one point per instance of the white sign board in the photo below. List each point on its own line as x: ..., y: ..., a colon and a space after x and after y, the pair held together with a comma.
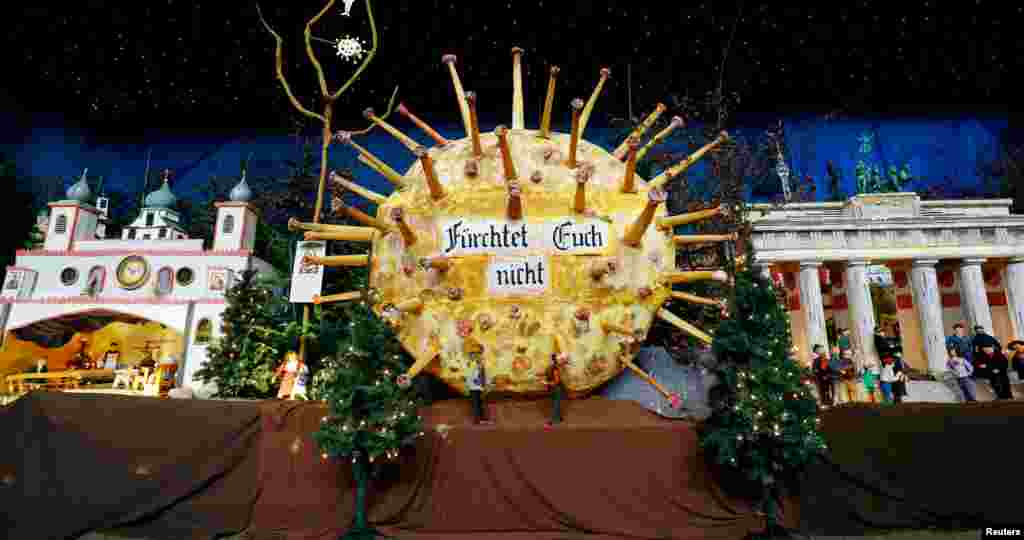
x: 307, y: 279
x: 568, y: 236
x: 518, y: 275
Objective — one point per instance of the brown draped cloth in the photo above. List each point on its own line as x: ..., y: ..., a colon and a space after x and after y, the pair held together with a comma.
x: 915, y: 466
x: 612, y: 470
x: 157, y: 468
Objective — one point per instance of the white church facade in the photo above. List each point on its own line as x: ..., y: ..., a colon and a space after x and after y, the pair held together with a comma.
x: 155, y: 272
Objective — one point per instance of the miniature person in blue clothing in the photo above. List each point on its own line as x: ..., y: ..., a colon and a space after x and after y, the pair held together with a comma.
x: 961, y: 342
x: 962, y: 370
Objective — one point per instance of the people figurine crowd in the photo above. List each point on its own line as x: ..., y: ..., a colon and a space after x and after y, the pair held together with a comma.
x: 289, y: 372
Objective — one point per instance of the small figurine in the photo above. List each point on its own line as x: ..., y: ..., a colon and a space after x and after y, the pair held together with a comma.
x: 559, y: 361
x: 301, y: 383
x: 290, y: 368
x: 476, y: 378
x: 111, y: 357
x: 554, y: 381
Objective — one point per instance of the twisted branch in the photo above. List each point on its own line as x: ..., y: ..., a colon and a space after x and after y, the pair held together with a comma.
x: 309, y: 46
x: 278, y: 64
x: 369, y: 55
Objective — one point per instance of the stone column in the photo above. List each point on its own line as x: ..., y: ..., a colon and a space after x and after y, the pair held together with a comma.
x: 862, y: 311
x: 1015, y: 296
x: 814, y: 308
x: 973, y: 296
x: 925, y: 284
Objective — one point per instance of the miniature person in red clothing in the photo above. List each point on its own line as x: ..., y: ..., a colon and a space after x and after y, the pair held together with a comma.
x: 554, y: 381
x: 290, y: 369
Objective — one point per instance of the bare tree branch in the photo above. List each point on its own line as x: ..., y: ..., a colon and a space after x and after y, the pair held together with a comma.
x: 278, y: 64
x: 369, y: 55
x: 309, y: 48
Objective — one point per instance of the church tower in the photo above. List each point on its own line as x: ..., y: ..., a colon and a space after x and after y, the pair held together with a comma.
x: 236, y: 221
x: 72, y: 219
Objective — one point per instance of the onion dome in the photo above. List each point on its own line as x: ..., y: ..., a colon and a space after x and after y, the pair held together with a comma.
x: 241, y: 192
x: 80, y: 191
x: 161, y: 198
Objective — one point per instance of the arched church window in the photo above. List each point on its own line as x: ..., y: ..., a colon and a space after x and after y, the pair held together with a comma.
x: 96, y: 280
x: 61, y: 226
x: 149, y: 219
x: 204, y: 331
x: 229, y: 224
x: 163, y: 233
x: 164, y: 281
x: 131, y: 234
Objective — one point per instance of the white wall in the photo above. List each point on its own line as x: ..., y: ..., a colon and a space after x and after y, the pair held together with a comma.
x: 49, y: 268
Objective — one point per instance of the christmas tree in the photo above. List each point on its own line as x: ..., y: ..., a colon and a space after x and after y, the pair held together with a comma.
x: 371, y: 416
x: 764, y: 424
x: 257, y: 330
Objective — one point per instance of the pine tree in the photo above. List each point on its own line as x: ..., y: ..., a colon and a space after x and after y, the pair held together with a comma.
x: 764, y: 423
x: 258, y: 329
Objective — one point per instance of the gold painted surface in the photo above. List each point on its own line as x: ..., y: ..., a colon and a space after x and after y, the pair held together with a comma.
x: 517, y: 332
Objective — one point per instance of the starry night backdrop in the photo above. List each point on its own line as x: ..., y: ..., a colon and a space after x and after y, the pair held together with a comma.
x: 100, y: 84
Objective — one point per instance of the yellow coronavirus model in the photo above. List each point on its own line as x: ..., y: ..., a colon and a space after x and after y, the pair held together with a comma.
x: 517, y: 244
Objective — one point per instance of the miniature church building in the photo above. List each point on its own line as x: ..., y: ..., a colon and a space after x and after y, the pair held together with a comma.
x: 79, y: 282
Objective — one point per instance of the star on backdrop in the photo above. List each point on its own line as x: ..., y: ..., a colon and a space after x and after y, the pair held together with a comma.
x: 119, y: 66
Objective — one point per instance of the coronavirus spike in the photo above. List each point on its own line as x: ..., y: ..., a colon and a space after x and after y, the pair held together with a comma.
x: 412, y: 305
x: 460, y: 95
x: 338, y: 260
x: 676, y: 123
x: 363, y: 218
x: 345, y: 137
x: 549, y: 103
x: 681, y: 167
x: 436, y: 189
x: 577, y: 105
x: 433, y: 134
x: 408, y: 235
x: 474, y: 127
x: 643, y: 375
x: 517, y: 89
x: 665, y: 223
x: 357, y: 189
x: 583, y: 175
x: 620, y: 152
x: 382, y: 169
x: 340, y: 297
x: 629, y: 180
x: 690, y: 276
x: 506, y: 154
x: 515, y: 202
x: 635, y: 232
x: 402, y: 137
x: 694, y: 299
x: 422, y: 361
x: 585, y: 116
x: 674, y: 320
x: 689, y: 239
x: 295, y: 225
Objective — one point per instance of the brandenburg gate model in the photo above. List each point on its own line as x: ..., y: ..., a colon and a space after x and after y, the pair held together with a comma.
x: 951, y: 260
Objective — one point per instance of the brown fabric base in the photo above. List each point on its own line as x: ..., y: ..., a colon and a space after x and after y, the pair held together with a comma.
x: 73, y: 463
x: 611, y: 470
x: 915, y: 466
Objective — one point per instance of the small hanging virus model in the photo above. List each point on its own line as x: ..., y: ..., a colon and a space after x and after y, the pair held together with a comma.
x: 348, y: 7
x: 351, y: 49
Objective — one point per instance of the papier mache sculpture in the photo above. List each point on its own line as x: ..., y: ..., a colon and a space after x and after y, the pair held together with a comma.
x: 509, y: 244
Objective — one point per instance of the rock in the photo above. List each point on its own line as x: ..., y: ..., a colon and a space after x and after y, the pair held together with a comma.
x: 690, y: 382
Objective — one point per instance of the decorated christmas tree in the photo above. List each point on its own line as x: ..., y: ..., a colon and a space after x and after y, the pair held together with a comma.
x: 764, y: 425
x: 257, y: 330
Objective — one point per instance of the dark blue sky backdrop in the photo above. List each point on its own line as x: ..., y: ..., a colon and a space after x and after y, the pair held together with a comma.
x: 939, y: 151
